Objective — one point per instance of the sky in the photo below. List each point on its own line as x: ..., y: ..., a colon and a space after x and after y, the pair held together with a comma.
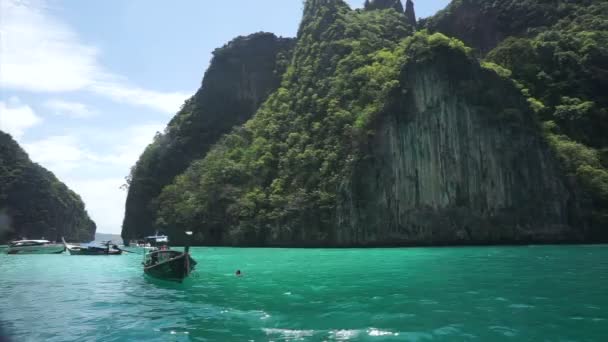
x: 85, y: 85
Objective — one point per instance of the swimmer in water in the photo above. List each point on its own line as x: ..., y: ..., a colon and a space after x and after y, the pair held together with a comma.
x: 238, y: 273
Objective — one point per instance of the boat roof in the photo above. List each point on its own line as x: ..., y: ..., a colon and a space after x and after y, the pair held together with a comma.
x: 158, y: 238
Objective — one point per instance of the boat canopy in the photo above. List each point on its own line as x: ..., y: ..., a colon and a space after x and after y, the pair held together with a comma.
x: 157, y: 239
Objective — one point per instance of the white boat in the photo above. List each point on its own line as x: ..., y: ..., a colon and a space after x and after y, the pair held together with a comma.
x: 139, y: 244
x: 35, y: 247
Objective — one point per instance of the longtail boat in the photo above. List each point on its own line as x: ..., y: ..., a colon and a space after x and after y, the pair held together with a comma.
x: 107, y: 248
x: 166, y: 264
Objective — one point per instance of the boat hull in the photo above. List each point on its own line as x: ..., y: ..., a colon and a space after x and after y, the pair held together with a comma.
x: 47, y: 249
x: 175, y: 269
x: 92, y: 252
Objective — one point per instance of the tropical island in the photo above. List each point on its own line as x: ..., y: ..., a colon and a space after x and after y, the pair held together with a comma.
x: 483, y: 124
x: 34, y: 203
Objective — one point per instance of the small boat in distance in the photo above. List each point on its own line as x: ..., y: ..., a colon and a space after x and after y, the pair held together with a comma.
x: 139, y: 244
x: 166, y: 264
x: 34, y: 247
x: 107, y: 248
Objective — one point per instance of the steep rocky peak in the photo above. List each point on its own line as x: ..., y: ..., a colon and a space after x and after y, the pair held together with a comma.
x: 318, y: 7
x: 383, y: 4
x: 319, y: 14
x: 410, y: 14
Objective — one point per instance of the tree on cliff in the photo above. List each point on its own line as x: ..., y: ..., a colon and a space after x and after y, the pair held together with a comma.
x: 383, y: 4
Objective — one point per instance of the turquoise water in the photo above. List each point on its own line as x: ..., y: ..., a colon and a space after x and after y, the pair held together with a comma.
x: 550, y: 293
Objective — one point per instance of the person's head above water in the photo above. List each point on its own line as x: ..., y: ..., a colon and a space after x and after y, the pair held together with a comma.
x: 238, y: 272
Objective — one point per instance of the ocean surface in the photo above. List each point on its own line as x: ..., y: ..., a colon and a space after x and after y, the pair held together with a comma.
x: 536, y: 293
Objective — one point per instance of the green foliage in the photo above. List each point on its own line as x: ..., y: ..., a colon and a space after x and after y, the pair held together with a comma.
x: 565, y: 67
x: 38, y: 204
x: 584, y: 163
x: 500, y: 71
x: 596, y: 182
x: 484, y: 24
x: 277, y: 177
x: 558, y: 54
x: 224, y: 100
x: 384, y: 4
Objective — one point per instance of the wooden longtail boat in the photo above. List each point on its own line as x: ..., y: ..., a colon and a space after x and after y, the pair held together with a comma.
x: 166, y: 264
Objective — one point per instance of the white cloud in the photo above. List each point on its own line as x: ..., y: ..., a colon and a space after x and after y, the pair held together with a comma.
x: 60, y: 154
x: 16, y: 118
x: 72, y: 161
x: 126, y: 153
x: 104, y: 199
x: 42, y: 54
x: 165, y: 102
x: 71, y: 109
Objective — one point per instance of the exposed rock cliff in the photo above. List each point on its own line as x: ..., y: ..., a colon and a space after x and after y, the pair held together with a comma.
x: 457, y: 158
x: 556, y: 52
x: 379, y: 135
x: 410, y: 13
x: 241, y: 75
x: 483, y: 24
x: 35, y: 202
x: 375, y: 140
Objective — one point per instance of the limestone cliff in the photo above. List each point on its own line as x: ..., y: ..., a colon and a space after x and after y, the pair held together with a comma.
x: 483, y: 24
x: 241, y: 75
x: 383, y: 4
x: 410, y: 13
x: 457, y: 158
x: 379, y: 135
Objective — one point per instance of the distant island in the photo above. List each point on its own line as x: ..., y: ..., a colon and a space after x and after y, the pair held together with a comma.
x: 34, y: 204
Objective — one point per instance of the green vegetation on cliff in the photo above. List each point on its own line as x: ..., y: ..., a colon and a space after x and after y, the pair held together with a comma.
x: 483, y: 24
x: 241, y: 75
x: 559, y: 56
x: 36, y: 202
x: 380, y: 135
x: 277, y: 177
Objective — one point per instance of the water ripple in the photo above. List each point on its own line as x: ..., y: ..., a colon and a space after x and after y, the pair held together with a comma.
x: 418, y: 294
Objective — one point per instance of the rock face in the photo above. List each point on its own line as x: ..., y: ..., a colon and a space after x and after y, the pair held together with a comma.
x: 410, y: 13
x: 241, y: 75
x: 34, y: 203
x: 384, y: 4
x: 484, y: 24
x: 445, y: 169
x: 379, y: 135
x: 528, y: 40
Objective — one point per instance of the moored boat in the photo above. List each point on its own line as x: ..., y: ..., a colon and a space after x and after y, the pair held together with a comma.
x: 166, y: 264
x: 138, y: 244
x: 106, y: 249
x: 34, y: 247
